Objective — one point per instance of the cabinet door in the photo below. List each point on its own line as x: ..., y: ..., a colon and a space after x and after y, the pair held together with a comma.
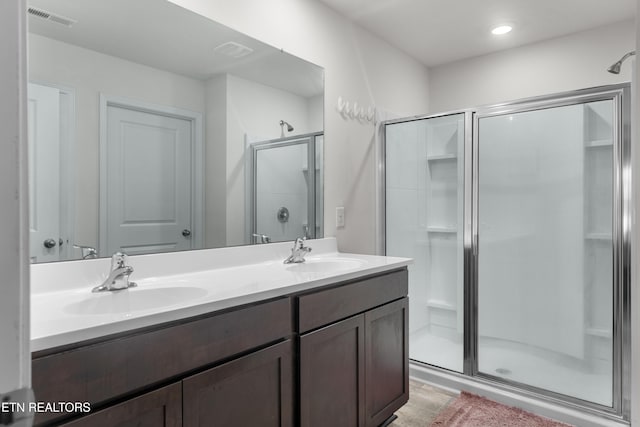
x: 332, y: 375
x: 387, y: 360
x: 159, y: 408
x: 254, y: 390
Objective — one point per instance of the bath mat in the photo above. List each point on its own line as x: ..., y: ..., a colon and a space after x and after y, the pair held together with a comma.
x: 469, y: 410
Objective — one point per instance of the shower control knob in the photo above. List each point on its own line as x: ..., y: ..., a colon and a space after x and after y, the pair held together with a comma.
x: 49, y: 243
x: 186, y: 232
x: 283, y: 215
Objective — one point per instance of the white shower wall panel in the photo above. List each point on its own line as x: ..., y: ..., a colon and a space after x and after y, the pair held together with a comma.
x: 423, y: 221
x: 281, y: 183
x: 532, y: 230
x: 403, y: 215
x: 402, y: 150
x: 402, y: 224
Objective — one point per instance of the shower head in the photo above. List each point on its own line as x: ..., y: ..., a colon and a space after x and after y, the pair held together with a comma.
x: 615, y: 68
x: 289, y: 127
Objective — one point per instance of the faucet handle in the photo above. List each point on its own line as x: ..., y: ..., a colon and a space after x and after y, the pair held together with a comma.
x: 298, y: 245
x: 87, y: 251
x: 118, y: 260
x: 298, y: 251
x: 263, y: 238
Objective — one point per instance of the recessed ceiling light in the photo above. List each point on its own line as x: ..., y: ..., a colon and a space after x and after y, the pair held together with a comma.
x: 501, y: 29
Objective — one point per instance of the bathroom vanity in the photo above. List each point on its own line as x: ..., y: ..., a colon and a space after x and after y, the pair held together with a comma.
x: 324, y: 342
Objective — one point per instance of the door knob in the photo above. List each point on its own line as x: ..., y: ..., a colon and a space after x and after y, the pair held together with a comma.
x: 49, y: 243
x: 186, y: 232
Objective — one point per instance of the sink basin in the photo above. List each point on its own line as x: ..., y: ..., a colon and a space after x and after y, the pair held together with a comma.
x: 135, y: 299
x: 325, y: 265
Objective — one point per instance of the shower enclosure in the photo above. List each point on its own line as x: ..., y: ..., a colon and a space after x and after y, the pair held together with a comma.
x: 286, y: 189
x: 518, y: 219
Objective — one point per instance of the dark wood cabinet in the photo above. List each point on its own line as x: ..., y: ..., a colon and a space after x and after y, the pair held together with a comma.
x: 354, y: 372
x: 131, y: 363
x: 254, y: 390
x: 159, y: 408
x: 387, y: 360
x: 332, y: 367
x: 335, y: 355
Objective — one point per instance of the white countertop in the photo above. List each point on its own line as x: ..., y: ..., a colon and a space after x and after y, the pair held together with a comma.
x: 180, y: 285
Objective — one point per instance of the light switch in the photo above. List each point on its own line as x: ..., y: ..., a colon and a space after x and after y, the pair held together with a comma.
x: 340, y: 216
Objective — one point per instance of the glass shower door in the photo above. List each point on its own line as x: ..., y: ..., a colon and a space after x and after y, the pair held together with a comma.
x: 545, y: 221
x: 286, y: 189
x: 424, y: 220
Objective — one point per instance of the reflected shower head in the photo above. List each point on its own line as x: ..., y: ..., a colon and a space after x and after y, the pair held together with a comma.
x: 615, y: 68
x: 289, y: 128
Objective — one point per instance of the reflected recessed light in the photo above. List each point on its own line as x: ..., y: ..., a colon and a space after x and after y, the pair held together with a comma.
x: 233, y: 49
x: 501, y: 29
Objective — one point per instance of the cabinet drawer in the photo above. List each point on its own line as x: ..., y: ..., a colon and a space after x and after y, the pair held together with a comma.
x: 99, y: 372
x: 327, y: 306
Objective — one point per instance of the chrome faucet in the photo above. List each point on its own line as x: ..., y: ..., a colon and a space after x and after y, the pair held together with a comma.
x: 118, y: 276
x: 298, y: 252
x: 88, y: 252
x: 262, y: 237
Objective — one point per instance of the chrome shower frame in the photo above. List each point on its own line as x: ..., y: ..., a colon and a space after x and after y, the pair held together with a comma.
x: 311, y: 140
x: 471, y: 378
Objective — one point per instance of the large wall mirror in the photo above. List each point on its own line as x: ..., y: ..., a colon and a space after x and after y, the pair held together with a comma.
x: 154, y: 129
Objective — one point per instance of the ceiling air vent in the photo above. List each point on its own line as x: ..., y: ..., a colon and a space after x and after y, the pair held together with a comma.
x: 43, y: 14
x: 233, y: 49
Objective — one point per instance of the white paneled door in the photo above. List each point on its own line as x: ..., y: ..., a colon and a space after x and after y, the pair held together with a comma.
x: 44, y: 173
x: 147, y: 182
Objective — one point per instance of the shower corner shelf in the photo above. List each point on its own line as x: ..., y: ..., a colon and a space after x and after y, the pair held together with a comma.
x: 598, y: 236
x: 599, y: 332
x: 449, y: 230
x: 442, y: 157
x: 442, y: 305
x: 599, y: 143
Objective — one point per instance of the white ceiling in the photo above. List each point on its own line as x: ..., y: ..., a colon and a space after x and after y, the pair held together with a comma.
x: 441, y: 31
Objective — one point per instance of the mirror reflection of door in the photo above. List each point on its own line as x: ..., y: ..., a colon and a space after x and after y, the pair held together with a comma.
x: 147, y: 181
x: 44, y: 173
x: 236, y: 97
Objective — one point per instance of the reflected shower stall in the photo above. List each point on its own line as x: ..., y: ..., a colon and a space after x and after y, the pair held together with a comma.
x: 518, y: 219
x: 286, y: 188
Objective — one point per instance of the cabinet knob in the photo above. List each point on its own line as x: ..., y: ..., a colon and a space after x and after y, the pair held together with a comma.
x: 49, y: 243
x: 186, y: 232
